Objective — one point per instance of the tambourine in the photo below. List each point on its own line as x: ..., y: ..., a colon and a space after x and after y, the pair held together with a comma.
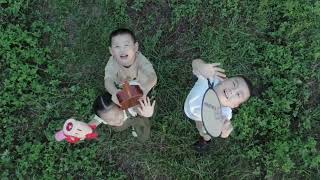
x: 211, y: 112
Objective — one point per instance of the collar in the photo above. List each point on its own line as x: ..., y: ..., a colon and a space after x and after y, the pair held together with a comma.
x: 97, y: 118
x: 129, y: 113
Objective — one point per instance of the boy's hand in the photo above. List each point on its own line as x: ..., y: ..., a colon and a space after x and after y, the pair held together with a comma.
x: 209, y: 71
x: 146, y: 108
x: 114, y: 98
x: 226, y: 129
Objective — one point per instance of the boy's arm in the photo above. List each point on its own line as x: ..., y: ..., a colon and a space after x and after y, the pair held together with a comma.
x: 109, y: 85
x: 196, y: 66
x: 209, y: 71
x: 149, y: 83
x: 112, y: 89
x: 109, y: 79
x: 148, y: 78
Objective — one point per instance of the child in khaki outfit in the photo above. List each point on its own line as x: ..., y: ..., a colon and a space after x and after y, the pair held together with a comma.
x: 127, y: 64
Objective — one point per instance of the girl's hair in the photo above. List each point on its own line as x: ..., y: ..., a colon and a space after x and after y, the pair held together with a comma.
x: 102, y: 103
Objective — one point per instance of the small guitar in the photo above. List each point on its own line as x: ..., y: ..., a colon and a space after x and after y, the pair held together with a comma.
x: 129, y: 95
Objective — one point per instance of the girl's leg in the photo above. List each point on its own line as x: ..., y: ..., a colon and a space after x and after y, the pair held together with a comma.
x: 142, y: 128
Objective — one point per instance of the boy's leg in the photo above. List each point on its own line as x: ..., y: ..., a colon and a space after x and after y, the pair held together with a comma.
x: 202, y: 144
x: 202, y: 131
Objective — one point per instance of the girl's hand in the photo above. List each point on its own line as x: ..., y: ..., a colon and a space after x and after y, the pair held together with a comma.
x: 146, y: 109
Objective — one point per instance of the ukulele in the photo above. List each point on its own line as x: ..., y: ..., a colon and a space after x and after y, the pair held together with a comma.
x: 129, y: 95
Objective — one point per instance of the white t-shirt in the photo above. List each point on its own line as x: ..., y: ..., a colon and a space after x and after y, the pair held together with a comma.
x: 193, y: 103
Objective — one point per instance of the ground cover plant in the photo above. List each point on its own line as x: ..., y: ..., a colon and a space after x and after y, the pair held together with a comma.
x: 52, y: 58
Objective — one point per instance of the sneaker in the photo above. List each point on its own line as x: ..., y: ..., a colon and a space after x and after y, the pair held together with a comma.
x: 201, y: 145
x: 134, y: 133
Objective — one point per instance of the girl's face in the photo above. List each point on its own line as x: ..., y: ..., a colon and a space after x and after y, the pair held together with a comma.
x: 114, y: 116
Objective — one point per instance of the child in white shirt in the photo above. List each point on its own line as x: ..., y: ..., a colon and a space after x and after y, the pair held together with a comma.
x: 231, y: 93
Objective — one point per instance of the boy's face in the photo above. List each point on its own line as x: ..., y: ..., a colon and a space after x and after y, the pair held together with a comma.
x: 114, y: 116
x: 232, y: 92
x: 124, y: 49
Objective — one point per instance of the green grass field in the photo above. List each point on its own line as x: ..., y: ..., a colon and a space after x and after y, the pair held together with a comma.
x: 52, y: 59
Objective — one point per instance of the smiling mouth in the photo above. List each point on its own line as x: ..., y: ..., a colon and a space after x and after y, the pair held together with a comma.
x: 224, y: 91
x: 123, y: 56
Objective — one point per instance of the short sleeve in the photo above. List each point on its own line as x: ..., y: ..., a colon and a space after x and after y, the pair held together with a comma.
x: 145, y: 66
x: 110, y: 70
x: 226, y: 112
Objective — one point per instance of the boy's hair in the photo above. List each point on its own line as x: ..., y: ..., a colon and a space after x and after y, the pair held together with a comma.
x: 102, y: 103
x: 122, y: 31
x: 248, y: 82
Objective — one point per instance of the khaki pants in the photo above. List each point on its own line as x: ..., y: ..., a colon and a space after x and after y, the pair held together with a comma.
x: 225, y: 132
x: 202, y: 131
x: 141, y: 126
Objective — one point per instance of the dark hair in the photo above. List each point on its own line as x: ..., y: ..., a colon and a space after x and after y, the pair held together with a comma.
x: 248, y: 82
x: 121, y: 31
x: 102, y: 103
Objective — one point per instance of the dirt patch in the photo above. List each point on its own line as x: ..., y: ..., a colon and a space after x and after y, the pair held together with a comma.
x: 132, y: 170
x: 314, y: 99
x: 71, y: 28
x: 161, y: 13
x: 178, y: 35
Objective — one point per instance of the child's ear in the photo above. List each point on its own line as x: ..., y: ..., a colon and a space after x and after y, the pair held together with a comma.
x: 136, y: 46
x: 110, y: 50
x: 235, y: 106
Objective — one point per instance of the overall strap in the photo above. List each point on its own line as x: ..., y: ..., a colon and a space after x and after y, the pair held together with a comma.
x: 210, y: 85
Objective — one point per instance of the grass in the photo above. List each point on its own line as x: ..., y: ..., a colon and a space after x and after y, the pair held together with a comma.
x: 274, y: 43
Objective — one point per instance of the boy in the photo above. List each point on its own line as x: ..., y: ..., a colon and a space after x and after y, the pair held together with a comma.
x: 231, y: 93
x: 127, y: 64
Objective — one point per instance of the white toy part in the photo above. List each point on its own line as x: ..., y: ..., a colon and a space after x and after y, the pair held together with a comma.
x: 76, y: 128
